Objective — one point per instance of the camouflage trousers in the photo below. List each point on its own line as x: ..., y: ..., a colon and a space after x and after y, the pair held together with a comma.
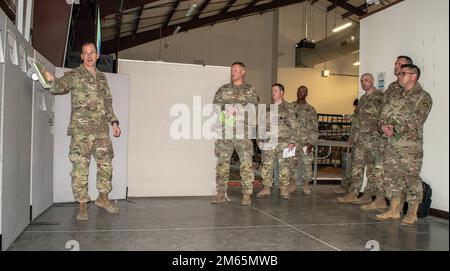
x: 224, y: 149
x: 368, y: 153
x: 82, y: 147
x: 268, y: 158
x: 346, y: 181
x: 402, y: 173
x: 301, y: 163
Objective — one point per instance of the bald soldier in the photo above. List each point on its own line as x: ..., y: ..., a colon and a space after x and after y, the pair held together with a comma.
x: 368, y: 150
x: 402, y: 120
x: 286, y: 137
x: 92, y: 114
x: 308, y: 132
x: 229, y: 97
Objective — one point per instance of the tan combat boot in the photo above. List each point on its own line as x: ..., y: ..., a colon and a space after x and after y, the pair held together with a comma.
x: 102, y: 201
x: 264, y: 193
x: 292, y: 186
x: 82, y: 212
x: 393, y: 213
x: 220, y: 197
x: 411, y: 216
x: 339, y: 190
x: 306, y: 188
x: 284, y: 192
x: 246, y: 198
x: 366, y: 198
x: 351, y: 197
x: 378, y: 204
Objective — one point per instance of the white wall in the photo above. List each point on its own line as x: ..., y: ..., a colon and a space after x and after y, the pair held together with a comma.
x: 248, y: 40
x: 418, y: 29
x: 334, y: 94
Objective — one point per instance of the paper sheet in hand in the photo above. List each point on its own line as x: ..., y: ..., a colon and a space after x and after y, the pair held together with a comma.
x: 39, y: 70
x: 287, y: 153
x: 305, y: 149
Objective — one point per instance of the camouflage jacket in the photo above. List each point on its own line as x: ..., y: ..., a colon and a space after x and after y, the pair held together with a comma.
x: 91, y: 99
x: 407, y: 111
x: 308, y: 128
x: 369, y: 109
x: 287, y: 123
x: 392, y: 88
x: 243, y: 95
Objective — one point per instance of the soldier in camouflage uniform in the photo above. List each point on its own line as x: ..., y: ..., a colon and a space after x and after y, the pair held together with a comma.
x: 368, y: 149
x: 238, y: 92
x: 392, y: 88
x: 91, y: 116
x: 286, y: 133
x: 402, y: 120
x: 308, y: 132
x: 346, y: 182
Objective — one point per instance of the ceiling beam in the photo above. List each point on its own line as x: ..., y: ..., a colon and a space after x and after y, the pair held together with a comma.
x: 155, y: 34
x: 228, y: 6
x: 170, y: 13
x: 350, y: 8
x: 138, y: 20
x: 108, y: 7
x: 362, y: 7
x: 203, y: 5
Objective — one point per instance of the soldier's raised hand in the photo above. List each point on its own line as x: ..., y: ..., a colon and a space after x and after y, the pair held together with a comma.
x: 48, y: 76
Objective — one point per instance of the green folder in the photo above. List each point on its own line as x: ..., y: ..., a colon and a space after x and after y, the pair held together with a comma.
x: 39, y: 69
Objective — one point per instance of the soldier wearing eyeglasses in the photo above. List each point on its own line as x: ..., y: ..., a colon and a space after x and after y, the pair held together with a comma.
x: 401, y: 121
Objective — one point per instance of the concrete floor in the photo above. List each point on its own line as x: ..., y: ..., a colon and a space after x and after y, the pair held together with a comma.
x: 314, y: 222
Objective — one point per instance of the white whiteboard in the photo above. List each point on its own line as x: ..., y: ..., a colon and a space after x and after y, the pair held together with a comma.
x: 157, y: 164
x: 62, y: 182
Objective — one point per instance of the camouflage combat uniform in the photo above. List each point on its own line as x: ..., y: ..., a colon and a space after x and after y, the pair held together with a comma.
x: 407, y: 111
x: 286, y: 133
x: 308, y: 132
x: 243, y: 95
x: 368, y: 147
x: 91, y: 116
x: 346, y: 181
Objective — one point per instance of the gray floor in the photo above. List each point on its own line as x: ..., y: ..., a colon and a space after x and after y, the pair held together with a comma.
x: 314, y: 222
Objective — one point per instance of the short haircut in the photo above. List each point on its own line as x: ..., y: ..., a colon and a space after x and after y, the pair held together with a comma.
x: 367, y: 74
x: 238, y: 63
x: 302, y: 87
x: 408, y: 59
x: 88, y: 43
x: 280, y: 86
x: 355, y: 102
x: 414, y: 68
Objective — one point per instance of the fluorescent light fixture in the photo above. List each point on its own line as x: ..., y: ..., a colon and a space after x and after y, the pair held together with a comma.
x: 356, y: 63
x: 191, y: 10
x: 176, y: 30
x: 342, y: 27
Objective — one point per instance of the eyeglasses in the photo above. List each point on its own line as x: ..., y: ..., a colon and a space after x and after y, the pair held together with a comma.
x: 404, y: 73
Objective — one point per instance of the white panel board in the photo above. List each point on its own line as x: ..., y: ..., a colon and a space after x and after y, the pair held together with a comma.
x: 159, y: 165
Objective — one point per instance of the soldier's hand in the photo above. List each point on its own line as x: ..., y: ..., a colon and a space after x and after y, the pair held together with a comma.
x: 308, y: 148
x: 48, y: 76
x: 388, y: 130
x: 116, y: 130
